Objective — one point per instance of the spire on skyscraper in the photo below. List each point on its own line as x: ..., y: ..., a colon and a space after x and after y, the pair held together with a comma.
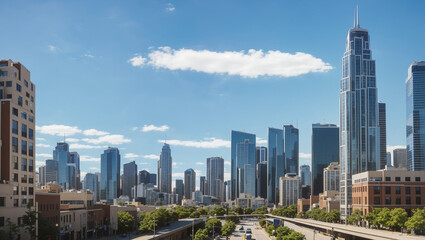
x: 358, y: 22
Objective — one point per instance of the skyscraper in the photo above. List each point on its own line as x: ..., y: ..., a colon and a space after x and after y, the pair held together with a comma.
x: 52, y: 171
x: 61, y: 155
x: 331, y: 177
x: 260, y: 154
x: 42, y: 175
x: 237, y: 137
x: 261, y: 178
x: 400, y: 158
x: 245, y: 161
x: 275, y: 164
x: 144, y: 177
x: 324, y: 150
x: 382, y: 135
x: 291, y: 149
x: 74, y: 157
x: 110, y: 165
x: 290, y: 190
x: 91, y: 182
x: 215, y: 177
x: 189, y: 183
x: 165, y: 169
x: 153, y: 178
x: 305, y: 175
x: 203, y: 185
x: 359, y: 116
x: 415, y: 125
x: 180, y: 190
x: 129, y: 179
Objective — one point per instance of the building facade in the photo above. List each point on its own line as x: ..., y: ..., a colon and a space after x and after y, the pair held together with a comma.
x: 165, y: 171
x: 291, y: 149
x: 179, y: 190
x: 42, y: 175
x: 91, y: 182
x: 261, y: 179
x: 331, y: 179
x: 110, y: 165
x: 289, y: 190
x: 61, y: 155
x: 189, y: 183
x: 275, y: 164
x: 382, y: 135
x: 260, y: 154
x: 400, y: 158
x: 52, y: 171
x: 215, y: 177
x: 74, y: 158
x: 245, y: 160
x: 129, y: 179
x: 203, y: 185
x: 305, y: 175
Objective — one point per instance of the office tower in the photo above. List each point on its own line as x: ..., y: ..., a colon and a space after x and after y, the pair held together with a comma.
x: 260, y: 154
x: 415, y: 127
x: 261, y: 177
x: 110, y: 166
x: 91, y: 182
x: 305, y: 175
x: 203, y: 185
x: 165, y: 169
x: 275, y: 164
x: 228, y: 187
x: 331, y: 177
x: 152, y: 178
x: 289, y: 190
x: 400, y: 158
x: 74, y: 157
x: 61, y: 154
x: 129, y: 179
x: 324, y: 150
x: 189, y: 182
x: 71, y: 172
x: 290, y: 148
x: 237, y: 137
x: 382, y: 135
x: 180, y: 190
x: 388, y: 159
x: 52, y: 171
x: 359, y: 116
x: 42, y: 175
x: 245, y: 160
x: 98, y: 185
x: 215, y: 177
x: 144, y: 177
x: 17, y: 160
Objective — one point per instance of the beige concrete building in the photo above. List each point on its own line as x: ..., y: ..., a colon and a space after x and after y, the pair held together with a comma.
x: 331, y: 177
x: 289, y: 190
x: 77, y: 199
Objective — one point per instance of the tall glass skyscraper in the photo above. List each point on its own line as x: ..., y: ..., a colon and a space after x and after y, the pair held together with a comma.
x: 291, y: 149
x: 61, y: 155
x: 215, y: 177
x: 110, y: 165
x: 165, y: 171
x: 275, y: 164
x: 52, y: 171
x: 189, y: 183
x: 305, y: 175
x: 129, y: 179
x: 382, y: 135
x: 324, y: 150
x: 237, y: 137
x: 415, y: 126
x: 245, y: 162
x: 359, y: 119
x: 74, y: 158
x: 260, y: 154
x: 91, y: 183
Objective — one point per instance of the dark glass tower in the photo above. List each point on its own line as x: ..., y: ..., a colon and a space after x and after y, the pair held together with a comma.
x: 110, y: 165
x: 165, y: 169
x: 129, y: 179
x: 382, y: 135
x: 291, y: 149
x: 275, y: 164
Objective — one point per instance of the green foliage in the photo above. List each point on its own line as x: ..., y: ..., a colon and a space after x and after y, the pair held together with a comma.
x: 202, y: 234
x: 125, y: 222
x: 285, y: 211
x: 384, y: 217
x: 238, y: 210
x: 263, y: 222
x: 398, y: 219
x: 335, y: 216
x: 228, y: 228
x: 213, y: 223
x: 417, y: 221
x: 195, y: 214
x: 260, y: 210
x: 284, y: 233
x: 219, y: 211
x: 355, y: 217
x: 248, y: 210
x: 372, y: 217
x: 10, y: 232
x: 294, y: 236
x: 28, y: 221
x: 270, y: 230
x: 46, y: 229
x: 322, y: 215
x: 158, y: 218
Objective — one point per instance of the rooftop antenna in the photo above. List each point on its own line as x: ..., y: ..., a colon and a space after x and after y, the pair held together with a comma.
x: 64, y: 137
x: 358, y: 23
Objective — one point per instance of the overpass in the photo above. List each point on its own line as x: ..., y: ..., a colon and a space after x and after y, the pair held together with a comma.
x: 181, y: 229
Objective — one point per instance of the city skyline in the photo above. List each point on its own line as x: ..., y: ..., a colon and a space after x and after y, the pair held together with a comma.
x: 178, y: 133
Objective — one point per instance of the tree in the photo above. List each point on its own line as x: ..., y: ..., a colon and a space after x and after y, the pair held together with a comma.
x: 384, y: 217
x: 125, y: 222
x: 262, y: 222
x: 219, y: 211
x: 356, y: 217
x: 260, y: 210
x: 294, y: 236
x: 201, y: 234
x: 371, y: 217
x: 270, y: 230
x: 46, y: 229
x: 195, y: 215
x: 248, y: 210
x: 215, y: 224
x: 228, y: 228
x: 335, y: 216
x: 398, y: 218
x: 28, y: 221
x: 417, y: 221
x: 11, y: 232
x: 238, y: 210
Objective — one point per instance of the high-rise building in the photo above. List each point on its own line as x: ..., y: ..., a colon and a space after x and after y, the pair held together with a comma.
x: 203, y: 185
x: 290, y: 190
x: 260, y: 154
x: 42, y: 175
x: 153, y: 178
x: 144, y: 177
x: 261, y: 178
x: 129, y: 179
x: 165, y: 169
x: 389, y: 162
x: 359, y: 115
x: 237, y: 137
x: 400, y: 158
x: 17, y: 158
x: 415, y: 125
x: 189, y: 183
x: 324, y: 150
x: 215, y: 177
x: 52, y: 171
x: 61, y: 154
x: 227, y: 186
x: 91, y: 182
x: 291, y: 149
x: 331, y: 177
x: 110, y: 166
x: 180, y: 190
x: 245, y: 160
x: 74, y: 157
x: 275, y: 164
x: 305, y: 175
x: 382, y: 135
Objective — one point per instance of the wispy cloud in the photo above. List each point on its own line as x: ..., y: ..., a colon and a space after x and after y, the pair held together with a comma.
x: 52, y: 48
x: 149, y: 128
x: 170, y: 7
x: 178, y: 175
x: 206, y: 143
x: 85, y: 158
x: 151, y: 156
x: 40, y: 139
x: 227, y: 163
x: 43, y: 145
x: 84, y: 146
x: 134, y: 128
x: 94, y: 132
x: 45, y: 155
x: 200, y: 163
x: 89, y: 55
x: 250, y: 64
x: 131, y: 155
x: 260, y: 141
x: 114, y: 139
x: 58, y: 130
x: 72, y: 140
x: 94, y: 168
x: 40, y: 163
x: 305, y: 155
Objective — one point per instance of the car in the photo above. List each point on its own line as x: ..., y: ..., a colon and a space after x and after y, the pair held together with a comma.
x: 248, y: 230
x: 248, y: 236
x: 241, y: 228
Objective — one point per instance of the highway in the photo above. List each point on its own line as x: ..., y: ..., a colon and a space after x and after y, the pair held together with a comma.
x: 308, y: 233
x: 257, y: 233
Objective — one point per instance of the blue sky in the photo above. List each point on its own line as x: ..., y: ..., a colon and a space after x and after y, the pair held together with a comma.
x: 191, y: 71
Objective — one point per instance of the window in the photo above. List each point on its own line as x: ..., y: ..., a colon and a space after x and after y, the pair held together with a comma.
x: 15, y: 177
x: 387, y: 190
x: 407, y: 179
x: 27, y: 94
x: 397, y: 190
x: 397, y: 179
x: 15, y: 203
x: 30, y: 118
x: 14, y: 144
x: 8, y: 83
x: 24, y: 130
x: 20, y: 101
x: 398, y: 200
x: 32, y: 87
x: 31, y: 149
x: 31, y: 166
x: 418, y: 200
x: 387, y: 200
x: 23, y: 115
x: 407, y: 190
x: 31, y: 191
x: 18, y: 87
x: 24, y: 179
x: 1, y: 84
x: 376, y: 200
x: 24, y: 191
x: 388, y: 179
x: 376, y: 190
x: 2, y: 221
x: 26, y: 83
x: 24, y: 147
x: 15, y: 162
x: 2, y: 201
x: 14, y: 127
x: 408, y: 200
x: 15, y: 190
x: 24, y: 202
x: 15, y: 111
x: 32, y: 99
x: 417, y: 179
x: 418, y: 190
x: 23, y: 164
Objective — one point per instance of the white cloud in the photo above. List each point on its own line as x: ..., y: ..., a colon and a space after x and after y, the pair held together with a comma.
x: 43, y: 145
x: 260, y: 141
x: 84, y: 146
x: 178, y: 175
x: 149, y: 128
x: 143, y: 163
x: 52, y: 48
x: 170, y: 7
x: 114, y: 139
x: 226, y: 176
x: 72, y: 140
x: 58, y: 130
x: 305, y: 155
x: 174, y: 164
x: 40, y: 139
x: 391, y: 148
x: 94, y: 168
x: 251, y: 64
x: 39, y: 163
x: 83, y: 175
x: 85, y: 158
x: 45, y: 155
x: 134, y: 128
x: 94, y: 132
x: 227, y: 163
x: 89, y: 55
x: 206, y: 143
x: 151, y: 156
x: 198, y: 173
x: 200, y: 163
x: 131, y: 155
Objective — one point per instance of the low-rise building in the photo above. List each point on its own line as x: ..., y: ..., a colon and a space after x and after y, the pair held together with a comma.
x: 289, y: 190
x: 49, y: 206
x: 329, y: 200
x: 303, y: 205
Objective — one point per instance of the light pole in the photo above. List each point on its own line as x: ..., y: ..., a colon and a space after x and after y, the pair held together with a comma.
x: 215, y: 215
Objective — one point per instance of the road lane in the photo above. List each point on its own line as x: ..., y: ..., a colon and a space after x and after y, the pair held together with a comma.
x: 257, y: 233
